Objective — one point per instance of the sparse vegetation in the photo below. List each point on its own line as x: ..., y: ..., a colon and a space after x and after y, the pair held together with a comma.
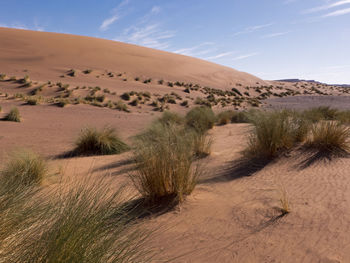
x: 25, y: 168
x: 87, y: 71
x: 329, y: 137
x: 164, y: 158
x: 273, y: 133
x: 13, y: 115
x: 201, y: 119
x: 94, y: 142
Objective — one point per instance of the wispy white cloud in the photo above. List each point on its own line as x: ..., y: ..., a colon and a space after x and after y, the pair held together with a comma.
x: 221, y: 55
x: 338, y: 12
x: 275, y: 34
x: 326, y: 7
x: 246, y: 56
x: 148, y: 35
x: 253, y: 29
x: 117, y: 14
x: 18, y: 25
x: 200, y: 49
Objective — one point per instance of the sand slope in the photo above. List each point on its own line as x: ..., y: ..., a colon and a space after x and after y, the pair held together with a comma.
x: 49, y: 54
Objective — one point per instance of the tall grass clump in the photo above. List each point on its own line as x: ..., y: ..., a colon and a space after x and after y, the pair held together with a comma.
x: 225, y: 117
x: 169, y: 117
x: 13, y: 115
x: 320, y: 113
x: 25, y: 168
x: 274, y: 133
x: 82, y: 222
x: 201, y: 119
x: 99, y: 142
x: 164, y: 163
x: 19, y: 181
x: 329, y: 137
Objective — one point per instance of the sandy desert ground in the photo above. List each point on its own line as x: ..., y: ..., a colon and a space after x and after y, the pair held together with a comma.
x: 232, y: 215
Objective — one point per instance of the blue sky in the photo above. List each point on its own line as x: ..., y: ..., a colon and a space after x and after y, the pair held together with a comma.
x: 272, y: 39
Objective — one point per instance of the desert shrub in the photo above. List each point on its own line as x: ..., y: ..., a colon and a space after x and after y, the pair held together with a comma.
x: 0, y: 109
x: 2, y: 76
x: 62, y: 102
x: 82, y: 222
x: 201, y: 144
x: 125, y: 96
x: 134, y: 102
x: 72, y: 73
x: 240, y: 117
x: 320, y: 113
x: 25, y: 168
x: 329, y: 137
x: 200, y: 119
x: 94, y: 142
x: 184, y: 103
x: 225, y: 117
x: 87, y: 71
x: 164, y: 158
x: 121, y: 106
x: 33, y: 100
x: 273, y: 133
x: 169, y: 118
x: 13, y: 115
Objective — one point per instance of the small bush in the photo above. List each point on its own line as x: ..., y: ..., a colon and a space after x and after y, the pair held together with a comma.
x: 87, y: 71
x: 329, y: 137
x: 171, y: 118
x: 200, y: 119
x: 164, y: 157
x: 201, y: 145
x: 119, y: 105
x: 273, y: 133
x: 62, y: 103
x: 225, y: 117
x: 13, y: 115
x: 125, y: 96
x: 94, y: 142
x: 25, y: 168
x: 72, y: 73
x: 240, y: 117
x: 320, y: 113
x: 33, y: 101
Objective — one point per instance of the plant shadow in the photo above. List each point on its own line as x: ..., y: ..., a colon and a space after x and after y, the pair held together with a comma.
x: 237, y: 169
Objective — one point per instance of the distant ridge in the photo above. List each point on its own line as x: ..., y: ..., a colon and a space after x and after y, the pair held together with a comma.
x: 312, y: 81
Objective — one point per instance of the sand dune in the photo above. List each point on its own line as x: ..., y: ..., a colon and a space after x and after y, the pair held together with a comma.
x: 230, y: 217
x: 47, y: 55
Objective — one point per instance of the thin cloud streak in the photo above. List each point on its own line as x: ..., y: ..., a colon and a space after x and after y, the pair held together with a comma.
x: 252, y: 29
x: 275, y: 35
x: 326, y: 7
x: 246, y: 56
x: 116, y: 16
x: 338, y: 12
x: 221, y: 55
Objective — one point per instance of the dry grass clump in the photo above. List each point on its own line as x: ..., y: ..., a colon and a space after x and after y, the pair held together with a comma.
x: 164, y: 161
x: 329, y: 137
x: 201, y: 119
x: 25, y: 168
x: 33, y: 100
x: 13, y: 115
x: 274, y: 133
x: 94, y: 142
x: 320, y: 113
x: 82, y: 222
x: 225, y: 117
